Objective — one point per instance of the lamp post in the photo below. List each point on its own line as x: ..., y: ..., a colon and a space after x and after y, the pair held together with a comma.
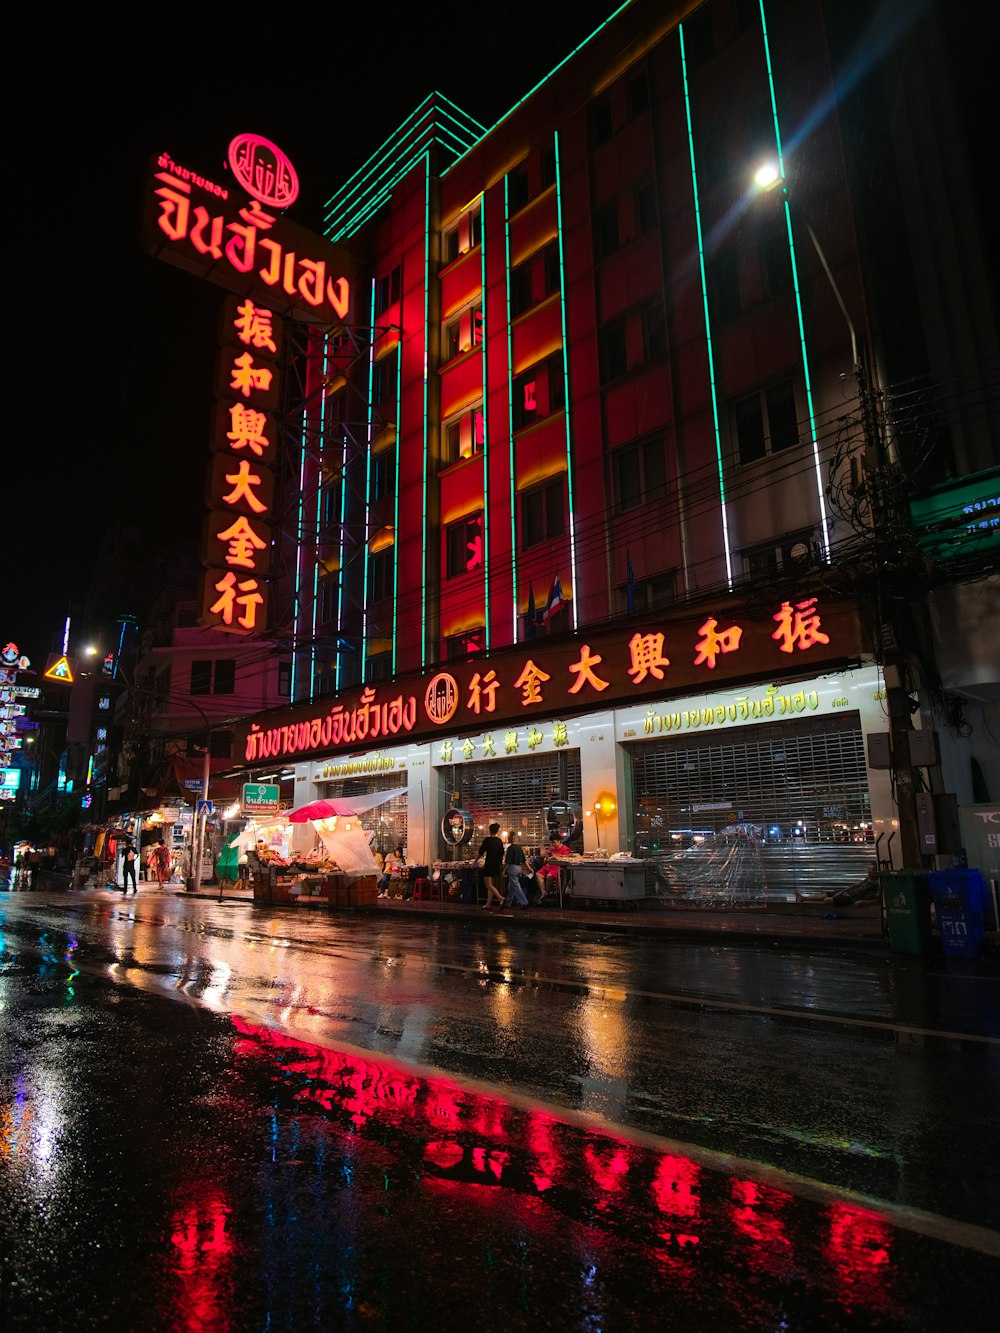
x: 604, y: 805
x: 897, y: 669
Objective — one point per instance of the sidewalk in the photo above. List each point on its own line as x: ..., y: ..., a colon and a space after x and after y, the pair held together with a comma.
x: 781, y: 923
x: 813, y: 923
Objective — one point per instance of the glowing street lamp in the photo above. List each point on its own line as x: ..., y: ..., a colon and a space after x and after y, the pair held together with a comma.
x: 604, y: 805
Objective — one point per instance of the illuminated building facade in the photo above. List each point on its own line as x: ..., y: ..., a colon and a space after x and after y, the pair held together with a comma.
x: 588, y: 496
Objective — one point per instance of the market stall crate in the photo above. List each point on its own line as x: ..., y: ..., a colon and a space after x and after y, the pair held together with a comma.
x: 610, y: 881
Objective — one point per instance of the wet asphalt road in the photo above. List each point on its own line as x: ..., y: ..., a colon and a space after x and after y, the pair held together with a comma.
x: 405, y: 1124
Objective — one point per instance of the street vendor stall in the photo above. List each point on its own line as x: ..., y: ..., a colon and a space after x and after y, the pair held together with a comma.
x: 289, y: 865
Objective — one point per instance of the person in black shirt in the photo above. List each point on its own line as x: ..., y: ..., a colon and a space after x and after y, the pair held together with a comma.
x: 491, y: 854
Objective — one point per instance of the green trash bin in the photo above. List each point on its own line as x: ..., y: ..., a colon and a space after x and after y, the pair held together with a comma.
x: 907, y: 898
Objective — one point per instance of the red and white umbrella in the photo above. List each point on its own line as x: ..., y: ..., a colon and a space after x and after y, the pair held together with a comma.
x: 330, y: 808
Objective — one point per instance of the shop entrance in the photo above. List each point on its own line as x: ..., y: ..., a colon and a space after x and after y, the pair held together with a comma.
x: 754, y: 813
x: 515, y: 793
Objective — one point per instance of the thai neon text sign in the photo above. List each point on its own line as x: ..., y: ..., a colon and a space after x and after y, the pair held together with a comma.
x: 533, y: 680
x: 244, y: 246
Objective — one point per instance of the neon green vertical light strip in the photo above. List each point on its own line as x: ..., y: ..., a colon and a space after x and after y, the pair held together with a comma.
x: 510, y: 418
x: 368, y: 481
x: 708, y: 322
x: 817, y: 469
x: 566, y: 386
x: 486, y: 430
x: 427, y: 334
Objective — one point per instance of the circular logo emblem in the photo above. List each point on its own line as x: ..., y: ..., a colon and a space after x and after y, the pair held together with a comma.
x: 263, y: 170
x: 441, y: 698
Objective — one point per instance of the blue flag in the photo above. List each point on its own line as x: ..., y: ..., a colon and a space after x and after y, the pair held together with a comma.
x: 629, y: 583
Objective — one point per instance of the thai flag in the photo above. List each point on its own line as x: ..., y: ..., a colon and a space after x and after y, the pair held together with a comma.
x: 555, y: 602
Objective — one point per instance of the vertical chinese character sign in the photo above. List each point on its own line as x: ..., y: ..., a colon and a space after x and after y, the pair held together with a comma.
x: 239, y: 530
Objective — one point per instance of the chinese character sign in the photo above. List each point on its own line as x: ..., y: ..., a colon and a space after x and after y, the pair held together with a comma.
x: 239, y: 530
x: 530, y: 686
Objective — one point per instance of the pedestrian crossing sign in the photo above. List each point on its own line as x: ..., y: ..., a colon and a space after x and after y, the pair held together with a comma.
x: 59, y: 669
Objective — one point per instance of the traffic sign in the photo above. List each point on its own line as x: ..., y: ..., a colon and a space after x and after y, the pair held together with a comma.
x: 203, y: 808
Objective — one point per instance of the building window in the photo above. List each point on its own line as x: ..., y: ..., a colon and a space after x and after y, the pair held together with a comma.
x: 654, y: 330
x: 638, y: 94
x: 201, y: 677
x: 639, y: 474
x: 599, y: 121
x: 213, y: 677
x: 539, y: 392
x: 464, y: 435
x: 542, y: 513
x: 534, y: 280
x: 765, y: 422
x: 607, y: 236
x: 464, y: 236
x: 383, y: 474
x: 521, y: 298
x: 384, y: 375
x: 612, y: 350
x: 463, y: 332
x: 460, y: 646
x: 326, y: 599
x: 380, y: 576
x: 724, y: 287
x: 387, y: 290
x: 284, y: 679
x: 645, y: 206
x: 517, y: 189
x: 648, y: 594
x: 464, y: 546
x: 379, y: 667
x: 796, y: 550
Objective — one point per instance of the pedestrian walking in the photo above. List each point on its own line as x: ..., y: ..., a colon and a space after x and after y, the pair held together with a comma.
x: 128, y: 868
x: 490, y: 859
x: 515, y: 864
x: 34, y: 861
x: 159, y: 861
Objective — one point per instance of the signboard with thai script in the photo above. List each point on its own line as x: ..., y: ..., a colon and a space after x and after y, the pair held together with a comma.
x: 532, y: 681
x: 245, y: 245
x: 260, y: 798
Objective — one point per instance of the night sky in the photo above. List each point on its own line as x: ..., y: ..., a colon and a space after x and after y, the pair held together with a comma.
x: 110, y: 352
x: 112, y: 365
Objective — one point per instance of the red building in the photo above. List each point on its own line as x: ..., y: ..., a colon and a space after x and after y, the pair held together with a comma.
x: 595, y: 494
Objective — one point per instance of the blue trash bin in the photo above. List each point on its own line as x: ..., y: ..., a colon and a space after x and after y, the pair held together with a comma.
x: 960, y: 899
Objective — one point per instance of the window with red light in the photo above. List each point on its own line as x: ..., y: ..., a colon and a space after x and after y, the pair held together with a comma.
x: 539, y: 391
x: 463, y: 332
x: 464, y: 546
x: 464, y: 436
x: 459, y: 646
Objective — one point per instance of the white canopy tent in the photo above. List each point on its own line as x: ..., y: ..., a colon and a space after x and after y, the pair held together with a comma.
x: 340, y: 831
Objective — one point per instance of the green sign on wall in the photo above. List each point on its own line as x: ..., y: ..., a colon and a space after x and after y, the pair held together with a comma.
x: 960, y: 518
x: 260, y: 798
